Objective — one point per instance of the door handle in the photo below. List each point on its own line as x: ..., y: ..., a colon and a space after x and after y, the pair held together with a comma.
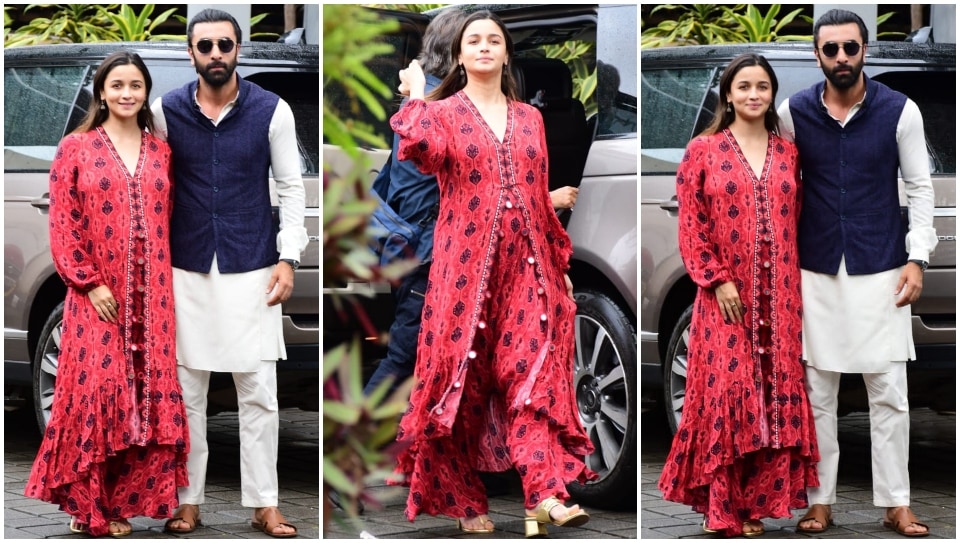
x: 42, y: 202
x: 670, y: 205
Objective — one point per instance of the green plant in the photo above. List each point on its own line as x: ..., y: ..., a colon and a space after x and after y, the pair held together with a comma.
x: 696, y: 24
x: 757, y: 27
x: 576, y: 55
x: 69, y: 23
x: 139, y: 27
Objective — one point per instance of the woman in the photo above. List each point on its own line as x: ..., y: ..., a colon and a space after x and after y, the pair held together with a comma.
x: 116, y: 443
x: 746, y: 445
x: 495, y: 347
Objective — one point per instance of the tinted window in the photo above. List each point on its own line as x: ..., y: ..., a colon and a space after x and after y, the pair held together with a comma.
x: 299, y: 89
x: 935, y: 95
x: 617, y: 71
x: 37, y: 104
x: 671, y: 101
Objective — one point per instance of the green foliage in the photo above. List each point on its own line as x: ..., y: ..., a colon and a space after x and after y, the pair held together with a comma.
x: 139, y: 27
x: 358, y: 430
x: 70, y: 23
x: 695, y: 24
x: 704, y: 24
x: 349, y: 41
x: 577, y: 54
x: 758, y: 27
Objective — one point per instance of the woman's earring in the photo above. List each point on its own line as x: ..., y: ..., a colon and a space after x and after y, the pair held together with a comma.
x: 729, y: 109
x: 103, y: 105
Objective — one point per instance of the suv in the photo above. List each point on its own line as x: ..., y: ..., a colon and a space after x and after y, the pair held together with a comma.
x: 679, y: 93
x: 47, y: 90
x: 595, y: 150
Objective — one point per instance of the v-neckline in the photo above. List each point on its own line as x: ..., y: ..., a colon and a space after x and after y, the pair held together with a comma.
x: 743, y: 157
x: 137, y: 166
x: 483, y: 122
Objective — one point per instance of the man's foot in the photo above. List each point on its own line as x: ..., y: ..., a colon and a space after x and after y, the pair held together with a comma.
x: 271, y: 521
x: 817, y: 519
x: 901, y: 520
x: 185, y: 520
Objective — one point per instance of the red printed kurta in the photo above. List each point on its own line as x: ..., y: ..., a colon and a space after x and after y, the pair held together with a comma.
x: 493, y: 376
x: 746, y: 445
x: 117, y: 440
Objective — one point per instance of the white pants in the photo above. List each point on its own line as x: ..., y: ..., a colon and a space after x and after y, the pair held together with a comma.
x: 259, y: 421
x: 889, y: 434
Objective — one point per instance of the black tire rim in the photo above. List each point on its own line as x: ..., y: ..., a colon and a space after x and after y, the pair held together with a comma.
x: 602, y: 394
x: 47, y: 375
x: 677, y: 381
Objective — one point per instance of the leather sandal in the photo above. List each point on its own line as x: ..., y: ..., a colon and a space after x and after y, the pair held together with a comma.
x: 188, y: 514
x: 903, y: 518
x: 818, y: 512
x: 270, y: 519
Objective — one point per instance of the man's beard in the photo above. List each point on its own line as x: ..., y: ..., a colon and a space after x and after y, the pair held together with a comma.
x: 845, y: 80
x: 217, y: 79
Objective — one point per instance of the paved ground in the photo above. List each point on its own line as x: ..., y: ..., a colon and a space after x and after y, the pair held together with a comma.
x: 222, y: 515
x: 932, y: 473
x: 506, y: 510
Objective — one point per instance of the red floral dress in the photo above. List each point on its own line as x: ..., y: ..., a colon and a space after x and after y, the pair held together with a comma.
x: 117, y: 440
x: 493, y: 388
x: 746, y: 446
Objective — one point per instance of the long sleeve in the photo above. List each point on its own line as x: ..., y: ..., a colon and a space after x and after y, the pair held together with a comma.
x: 698, y: 250
x: 422, y: 135
x: 70, y: 245
x: 285, y: 165
x: 915, y: 171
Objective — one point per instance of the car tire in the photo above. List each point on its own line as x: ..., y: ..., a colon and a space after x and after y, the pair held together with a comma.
x: 675, y: 370
x: 605, y: 382
x: 45, y: 364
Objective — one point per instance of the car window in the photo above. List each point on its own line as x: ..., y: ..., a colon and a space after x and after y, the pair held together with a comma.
x: 299, y: 89
x: 29, y: 94
x: 672, y: 101
x: 616, y: 71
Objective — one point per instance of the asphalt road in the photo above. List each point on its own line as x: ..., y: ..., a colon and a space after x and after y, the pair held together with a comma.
x: 932, y: 475
x: 222, y: 515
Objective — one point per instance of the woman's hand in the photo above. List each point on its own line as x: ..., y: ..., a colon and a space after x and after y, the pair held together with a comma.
x: 104, y: 302
x: 564, y: 197
x: 730, y: 305
x: 412, y: 81
x: 569, y: 283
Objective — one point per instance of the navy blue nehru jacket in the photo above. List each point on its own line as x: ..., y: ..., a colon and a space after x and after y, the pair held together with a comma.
x: 221, y: 182
x: 851, y: 205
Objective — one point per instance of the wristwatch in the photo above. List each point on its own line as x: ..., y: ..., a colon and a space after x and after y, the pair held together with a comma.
x: 922, y: 263
x: 293, y: 263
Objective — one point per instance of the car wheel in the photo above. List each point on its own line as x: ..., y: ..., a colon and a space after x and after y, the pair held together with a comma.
x: 45, y: 364
x: 605, y: 381
x: 675, y: 370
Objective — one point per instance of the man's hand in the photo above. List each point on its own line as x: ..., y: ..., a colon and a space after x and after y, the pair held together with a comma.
x: 281, y: 284
x: 910, y: 284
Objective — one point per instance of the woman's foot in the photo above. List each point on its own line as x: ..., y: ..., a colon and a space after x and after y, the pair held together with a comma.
x: 557, y: 512
x: 120, y: 528
x: 475, y: 525
x: 753, y: 528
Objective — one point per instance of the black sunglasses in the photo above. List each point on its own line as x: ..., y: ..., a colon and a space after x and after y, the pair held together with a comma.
x: 850, y: 48
x: 224, y: 44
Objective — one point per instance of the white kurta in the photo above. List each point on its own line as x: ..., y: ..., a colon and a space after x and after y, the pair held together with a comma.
x: 851, y: 323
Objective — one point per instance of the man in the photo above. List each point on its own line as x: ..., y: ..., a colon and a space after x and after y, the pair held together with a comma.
x: 232, y: 270
x: 860, y: 267
x: 416, y: 198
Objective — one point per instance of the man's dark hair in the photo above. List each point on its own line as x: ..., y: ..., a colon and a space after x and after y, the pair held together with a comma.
x: 836, y: 17
x: 435, y: 54
x: 213, y: 16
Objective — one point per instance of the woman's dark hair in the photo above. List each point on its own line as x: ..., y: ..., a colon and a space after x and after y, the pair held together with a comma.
x: 723, y: 118
x: 453, y: 82
x: 96, y: 116
x: 438, y: 40
x: 213, y: 16
x: 836, y: 17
